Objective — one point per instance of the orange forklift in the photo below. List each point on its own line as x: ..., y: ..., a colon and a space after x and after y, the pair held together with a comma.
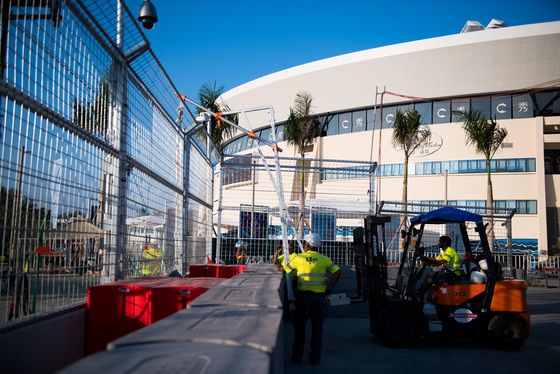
x: 493, y: 309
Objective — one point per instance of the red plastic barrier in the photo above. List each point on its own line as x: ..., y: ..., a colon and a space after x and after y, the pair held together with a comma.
x: 205, y: 270
x: 229, y: 271
x: 169, y: 298
x: 118, y: 308
x: 215, y: 271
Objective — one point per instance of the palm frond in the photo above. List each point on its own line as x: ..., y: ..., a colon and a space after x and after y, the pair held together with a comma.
x: 302, y: 126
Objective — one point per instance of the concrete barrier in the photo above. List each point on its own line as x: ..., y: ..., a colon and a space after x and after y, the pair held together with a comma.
x: 175, y: 357
x: 235, y: 326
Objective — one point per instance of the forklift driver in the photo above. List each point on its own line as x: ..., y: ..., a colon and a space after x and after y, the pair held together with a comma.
x: 451, y: 271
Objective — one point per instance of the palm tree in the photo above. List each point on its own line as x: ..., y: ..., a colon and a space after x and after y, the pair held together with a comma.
x: 208, y: 96
x: 486, y: 137
x: 409, y: 135
x: 302, y: 127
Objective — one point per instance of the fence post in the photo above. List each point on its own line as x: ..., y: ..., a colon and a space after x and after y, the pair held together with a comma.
x: 185, y: 239
x: 120, y: 92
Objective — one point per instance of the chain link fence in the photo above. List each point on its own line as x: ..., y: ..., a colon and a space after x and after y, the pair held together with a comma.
x: 95, y: 163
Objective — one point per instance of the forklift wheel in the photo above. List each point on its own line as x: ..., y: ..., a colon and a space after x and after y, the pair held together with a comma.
x: 399, y: 325
x: 506, y: 332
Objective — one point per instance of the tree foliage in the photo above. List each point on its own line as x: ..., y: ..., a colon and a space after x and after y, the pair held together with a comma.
x: 485, y: 135
x: 208, y: 96
x: 409, y: 134
x: 302, y: 126
x: 301, y: 129
x: 93, y: 117
x: 30, y: 217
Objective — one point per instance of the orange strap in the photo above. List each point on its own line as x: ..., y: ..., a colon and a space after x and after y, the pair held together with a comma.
x: 218, y: 116
x: 181, y: 96
x: 251, y: 134
x: 277, y: 148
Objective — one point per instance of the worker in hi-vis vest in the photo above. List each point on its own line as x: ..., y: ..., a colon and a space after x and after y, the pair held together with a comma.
x: 151, y: 259
x: 241, y: 252
x: 311, y: 302
x: 452, y: 267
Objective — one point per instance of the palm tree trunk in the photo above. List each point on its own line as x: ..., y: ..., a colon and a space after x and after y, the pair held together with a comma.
x: 489, y: 206
x: 405, y: 185
x: 301, y: 200
x: 404, y: 193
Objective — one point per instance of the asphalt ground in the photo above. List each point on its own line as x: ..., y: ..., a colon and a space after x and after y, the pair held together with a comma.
x: 349, y: 347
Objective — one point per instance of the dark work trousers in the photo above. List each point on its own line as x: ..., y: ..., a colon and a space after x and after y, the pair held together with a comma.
x: 313, y: 306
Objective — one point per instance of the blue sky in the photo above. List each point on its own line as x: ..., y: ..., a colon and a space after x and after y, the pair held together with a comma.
x: 234, y: 42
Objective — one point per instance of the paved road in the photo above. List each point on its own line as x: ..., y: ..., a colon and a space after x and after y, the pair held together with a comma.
x: 349, y: 348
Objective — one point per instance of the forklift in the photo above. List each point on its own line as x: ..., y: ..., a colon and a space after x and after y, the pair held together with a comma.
x: 493, y: 311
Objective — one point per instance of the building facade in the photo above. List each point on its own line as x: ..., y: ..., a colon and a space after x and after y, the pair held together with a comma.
x: 509, y: 73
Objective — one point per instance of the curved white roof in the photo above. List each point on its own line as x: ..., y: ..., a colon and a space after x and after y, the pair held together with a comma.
x: 492, y: 60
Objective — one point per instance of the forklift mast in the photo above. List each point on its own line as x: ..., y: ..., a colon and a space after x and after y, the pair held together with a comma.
x: 371, y: 262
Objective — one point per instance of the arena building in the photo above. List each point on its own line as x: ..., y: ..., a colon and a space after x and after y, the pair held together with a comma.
x: 510, y: 73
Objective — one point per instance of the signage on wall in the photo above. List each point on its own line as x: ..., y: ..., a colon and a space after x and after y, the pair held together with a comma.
x: 428, y: 148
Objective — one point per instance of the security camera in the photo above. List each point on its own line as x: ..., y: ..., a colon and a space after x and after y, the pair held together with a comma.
x: 203, y: 117
x: 147, y: 15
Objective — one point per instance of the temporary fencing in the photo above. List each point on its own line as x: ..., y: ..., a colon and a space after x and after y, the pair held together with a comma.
x: 99, y: 179
x: 337, y: 196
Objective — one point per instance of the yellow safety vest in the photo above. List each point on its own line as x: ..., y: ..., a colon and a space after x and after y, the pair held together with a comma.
x: 152, y: 265
x: 311, y: 270
x: 280, y: 258
x: 452, y: 261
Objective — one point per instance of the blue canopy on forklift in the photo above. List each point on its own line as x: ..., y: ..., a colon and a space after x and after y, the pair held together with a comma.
x: 445, y: 215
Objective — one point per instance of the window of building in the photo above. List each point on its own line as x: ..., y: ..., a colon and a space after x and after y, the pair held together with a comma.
x: 521, y: 206
x: 266, y: 134
x: 388, y: 116
x: 332, y: 125
x: 556, y: 103
x: 280, y: 133
x: 441, y: 112
x: 498, y: 165
x: 521, y: 164
x: 501, y: 107
x: 452, y: 167
x: 370, y: 119
x: 345, y: 123
x: 459, y: 105
x: 425, y: 111
x: 482, y: 104
x: 359, y: 121
x: 544, y: 102
x: 522, y: 106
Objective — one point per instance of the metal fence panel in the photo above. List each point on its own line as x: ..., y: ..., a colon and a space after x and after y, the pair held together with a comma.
x: 337, y: 198
x: 93, y: 161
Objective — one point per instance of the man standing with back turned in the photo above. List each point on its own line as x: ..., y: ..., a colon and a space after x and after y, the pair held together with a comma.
x: 311, y: 302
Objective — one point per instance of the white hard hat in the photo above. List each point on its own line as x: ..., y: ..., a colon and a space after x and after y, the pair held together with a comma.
x: 483, y: 264
x: 314, y: 240
x: 478, y: 277
x: 153, y: 240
